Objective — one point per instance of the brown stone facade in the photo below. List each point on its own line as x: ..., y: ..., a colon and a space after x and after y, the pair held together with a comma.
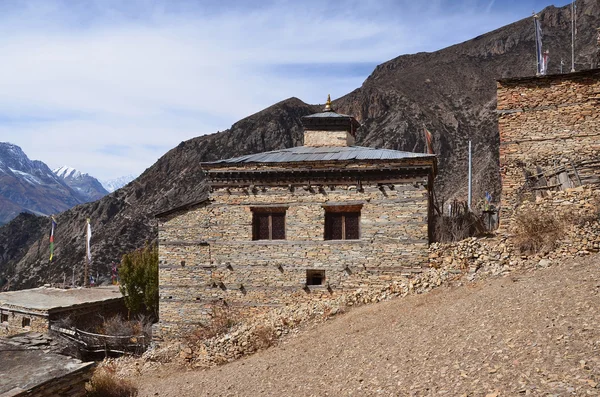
x: 207, y: 255
x: 545, y: 123
x: 328, y: 138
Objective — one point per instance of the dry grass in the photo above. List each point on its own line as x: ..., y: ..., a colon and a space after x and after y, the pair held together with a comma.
x: 455, y: 228
x: 537, y: 231
x: 117, y: 326
x: 222, y: 320
x: 106, y: 383
x: 263, y: 337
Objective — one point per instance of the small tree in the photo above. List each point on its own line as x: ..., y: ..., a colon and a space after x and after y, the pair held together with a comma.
x: 139, y: 280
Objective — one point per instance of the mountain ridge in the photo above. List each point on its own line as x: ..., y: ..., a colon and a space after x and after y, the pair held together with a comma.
x: 30, y: 186
x: 86, y: 186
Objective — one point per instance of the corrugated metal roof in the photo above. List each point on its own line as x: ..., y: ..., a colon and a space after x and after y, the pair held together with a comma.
x: 326, y: 153
x: 327, y: 114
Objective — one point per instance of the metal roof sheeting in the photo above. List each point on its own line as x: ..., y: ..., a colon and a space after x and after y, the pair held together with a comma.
x: 326, y: 153
x: 328, y: 115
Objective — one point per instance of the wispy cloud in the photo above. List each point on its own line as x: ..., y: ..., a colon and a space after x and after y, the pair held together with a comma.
x: 109, y: 86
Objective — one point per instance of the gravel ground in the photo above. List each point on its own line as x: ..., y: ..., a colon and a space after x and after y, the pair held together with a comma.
x: 535, y: 333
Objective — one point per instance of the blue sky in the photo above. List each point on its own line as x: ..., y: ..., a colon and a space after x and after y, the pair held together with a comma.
x: 108, y: 86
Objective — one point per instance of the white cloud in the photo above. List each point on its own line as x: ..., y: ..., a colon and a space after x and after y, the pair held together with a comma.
x: 78, y: 78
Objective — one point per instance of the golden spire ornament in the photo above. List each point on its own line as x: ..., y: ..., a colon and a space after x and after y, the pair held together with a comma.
x: 328, y: 107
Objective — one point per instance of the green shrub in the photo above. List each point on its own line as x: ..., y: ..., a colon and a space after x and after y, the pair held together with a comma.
x: 139, y: 280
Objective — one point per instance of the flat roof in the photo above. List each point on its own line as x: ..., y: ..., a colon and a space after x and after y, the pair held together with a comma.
x: 45, y: 298
x: 25, y: 369
x: 549, y: 77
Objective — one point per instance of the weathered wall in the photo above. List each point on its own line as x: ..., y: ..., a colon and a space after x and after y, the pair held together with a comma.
x: 207, y: 254
x: 14, y: 325
x: 546, y: 122
x: 328, y: 138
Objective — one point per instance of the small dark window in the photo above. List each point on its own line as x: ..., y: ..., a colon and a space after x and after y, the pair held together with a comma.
x: 315, y: 277
x: 342, y: 225
x: 26, y: 322
x: 3, y: 318
x: 268, y: 224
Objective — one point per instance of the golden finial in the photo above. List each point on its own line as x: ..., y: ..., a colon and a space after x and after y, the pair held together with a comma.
x: 328, y: 107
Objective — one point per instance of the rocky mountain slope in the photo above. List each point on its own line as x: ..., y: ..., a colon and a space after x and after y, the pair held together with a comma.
x: 30, y: 186
x: 451, y: 91
x: 87, y: 187
x: 530, y: 334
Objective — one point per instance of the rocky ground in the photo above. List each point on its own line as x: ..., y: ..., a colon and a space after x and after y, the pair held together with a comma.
x: 532, y: 332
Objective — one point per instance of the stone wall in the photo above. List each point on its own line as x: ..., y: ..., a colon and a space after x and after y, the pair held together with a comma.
x: 207, y: 254
x: 38, y: 321
x: 546, y: 122
x: 577, y: 212
x: 328, y: 138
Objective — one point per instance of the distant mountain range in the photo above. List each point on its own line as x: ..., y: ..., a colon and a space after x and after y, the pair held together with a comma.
x: 30, y: 186
x: 87, y: 187
x: 113, y: 184
x: 452, y: 92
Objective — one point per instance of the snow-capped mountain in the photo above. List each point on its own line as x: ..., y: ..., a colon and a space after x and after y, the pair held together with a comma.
x: 113, y: 184
x: 30, y: 186
x: 88, y: 187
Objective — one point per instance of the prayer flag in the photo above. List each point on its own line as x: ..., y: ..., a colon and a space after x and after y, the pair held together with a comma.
x: 429, y: 141
x: 89, y: 237
x: 52, y: 239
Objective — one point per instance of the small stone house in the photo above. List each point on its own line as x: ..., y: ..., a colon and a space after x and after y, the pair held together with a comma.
x: 549, y: 134
x: 308, y: 222
x: 36, y: 309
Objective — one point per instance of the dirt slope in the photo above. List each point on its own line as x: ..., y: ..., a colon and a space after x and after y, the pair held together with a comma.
x: 534, y: 333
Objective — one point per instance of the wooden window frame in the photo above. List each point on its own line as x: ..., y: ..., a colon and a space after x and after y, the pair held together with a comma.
x: 342, y: 211
x: 269, y: 212
x: 3, y: 317
x: 25, y: 322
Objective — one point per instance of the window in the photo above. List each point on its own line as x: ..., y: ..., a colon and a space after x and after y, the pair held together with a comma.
x: 26, y: 322
x: 3, y: 318
x: 342, y: 223
x: 268, y: 223
x: 315, y: 277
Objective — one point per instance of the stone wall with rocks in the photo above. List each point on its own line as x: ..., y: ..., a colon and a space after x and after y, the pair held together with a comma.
x: 207, y: 254
x: 13, y: 321
x: 328, y: 138
x: 546, y: 122
x: 577, y: 212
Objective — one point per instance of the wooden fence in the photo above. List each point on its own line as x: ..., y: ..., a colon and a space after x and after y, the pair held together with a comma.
x: 92, y: 344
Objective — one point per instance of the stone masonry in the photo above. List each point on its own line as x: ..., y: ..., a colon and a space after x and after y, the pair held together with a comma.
x: 545, y: 123
x: 207, y: 253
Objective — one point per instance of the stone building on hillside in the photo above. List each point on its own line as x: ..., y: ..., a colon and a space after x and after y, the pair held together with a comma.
x: 549, y: 134
x: 308, y: 222
x: 35, y: 310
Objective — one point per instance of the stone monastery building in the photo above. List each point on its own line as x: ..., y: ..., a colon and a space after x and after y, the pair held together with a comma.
x: 296, y: 224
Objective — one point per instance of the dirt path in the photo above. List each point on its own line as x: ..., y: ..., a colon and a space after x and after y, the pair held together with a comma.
x: 535, y: 334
